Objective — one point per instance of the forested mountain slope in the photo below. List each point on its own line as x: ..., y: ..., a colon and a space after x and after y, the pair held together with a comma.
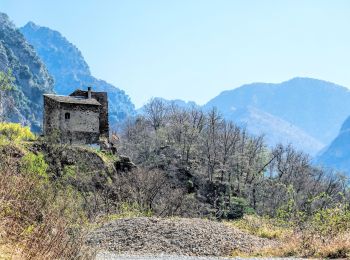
x: 24, y: 103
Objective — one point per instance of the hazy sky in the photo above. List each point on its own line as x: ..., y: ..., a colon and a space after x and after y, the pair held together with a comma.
x: 194, y: 49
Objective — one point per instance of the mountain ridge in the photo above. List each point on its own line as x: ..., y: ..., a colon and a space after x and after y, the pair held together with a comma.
x: 299, y: 101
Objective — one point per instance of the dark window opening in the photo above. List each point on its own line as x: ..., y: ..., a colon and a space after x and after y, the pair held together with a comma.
x: 67, y: 116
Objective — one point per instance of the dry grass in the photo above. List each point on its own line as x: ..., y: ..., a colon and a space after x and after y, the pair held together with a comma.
x: 302, y: 243
x: 8, y: 252
x: 125, y: 210
x: 261, y: 227
x: 37, y: 221
x: 307, y: 245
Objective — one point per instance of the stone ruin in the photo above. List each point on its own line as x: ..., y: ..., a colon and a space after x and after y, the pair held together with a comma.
x: 80, y: 118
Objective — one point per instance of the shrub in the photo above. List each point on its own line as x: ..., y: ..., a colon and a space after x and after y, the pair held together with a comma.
x: 324, y: 234
x: 236, y: 209
x: 6, y: 80
x: 38, y: 219
x: 15, y: 132
x: 330, y: 222
x: 34, y: 165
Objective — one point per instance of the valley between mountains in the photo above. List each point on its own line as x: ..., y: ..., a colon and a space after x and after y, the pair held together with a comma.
x: 260, y: 170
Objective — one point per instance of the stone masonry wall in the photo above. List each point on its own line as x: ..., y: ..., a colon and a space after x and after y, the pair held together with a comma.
x: 82, y: 126
x: 102, y: 98
x: 51, y: 116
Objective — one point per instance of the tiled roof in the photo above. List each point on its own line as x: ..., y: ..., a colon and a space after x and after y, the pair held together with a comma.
x: 85, y: 91
x: 73, y: 100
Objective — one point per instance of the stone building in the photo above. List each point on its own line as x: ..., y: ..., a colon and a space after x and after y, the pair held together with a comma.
x: 80, y: 118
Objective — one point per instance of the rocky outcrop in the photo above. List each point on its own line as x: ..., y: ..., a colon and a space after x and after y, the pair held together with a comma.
x: 92, y: 169
x: 24, y: 104
x: 124, y: 164
x: 70, y: 71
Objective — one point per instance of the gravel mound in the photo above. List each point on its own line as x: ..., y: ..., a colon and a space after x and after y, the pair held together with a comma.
x: 110, y: 256
x: 191, y: 237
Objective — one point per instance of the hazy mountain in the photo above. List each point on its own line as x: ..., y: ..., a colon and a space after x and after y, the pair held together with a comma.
x: 177, y: 102
x: 70, y: 71
x: 316, y: 107
x: 182, y: 103
x: 274, y: 129
x: 24, y: 104
x: 337, y: 154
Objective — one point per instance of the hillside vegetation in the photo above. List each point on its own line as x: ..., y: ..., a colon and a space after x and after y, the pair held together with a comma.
x: 223, y: 173
x: 219, y: 164
x: 39, y: 218
x: 185, y: 163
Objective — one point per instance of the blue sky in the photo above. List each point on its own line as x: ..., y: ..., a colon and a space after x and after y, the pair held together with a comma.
x: 194, y: 49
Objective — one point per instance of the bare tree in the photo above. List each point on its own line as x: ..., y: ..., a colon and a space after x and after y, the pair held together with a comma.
x: 156, y: 111
x: 220, y: 162
x: 211, y: 141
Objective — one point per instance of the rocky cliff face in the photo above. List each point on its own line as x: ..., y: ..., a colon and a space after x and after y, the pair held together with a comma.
x: 24, y: 104
x: 70, y: 71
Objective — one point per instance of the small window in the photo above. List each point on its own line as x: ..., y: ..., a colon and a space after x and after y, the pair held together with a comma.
x: 67, y: 116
